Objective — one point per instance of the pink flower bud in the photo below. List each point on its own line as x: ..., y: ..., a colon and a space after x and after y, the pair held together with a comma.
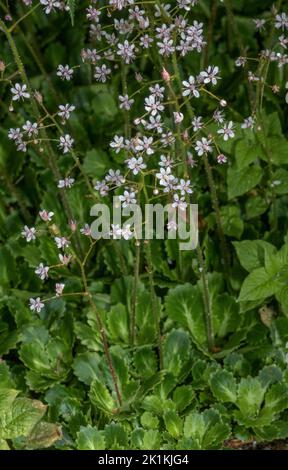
x: 166, y: 75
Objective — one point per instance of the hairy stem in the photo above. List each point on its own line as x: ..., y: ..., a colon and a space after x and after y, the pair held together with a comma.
x: 154, y: 302
x: 206, y: 300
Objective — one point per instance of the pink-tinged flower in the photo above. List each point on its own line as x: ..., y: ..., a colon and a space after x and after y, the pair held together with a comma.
x: 165, y: 75
x: 46, y: 216
x: 65, y: 72
x: 42, y: 271
x: 59, y: 289
x: 86, y: 230
x: 61, y: 242
x: 36, y: 304
x: 64, y: 259
x: 19, y: 92
x: 29, y: 233
x: 66, y: 143
x: 227, y: 131
x: 221, y: 159
x: 178, y: 117
x: 73, y: 225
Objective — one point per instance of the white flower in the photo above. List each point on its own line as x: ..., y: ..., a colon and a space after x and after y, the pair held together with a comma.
x: 197, y: 123
x: 179, y: 203
x: 42, y: 271
x: 86, y: 230
x: 31, y: 129
x: 36, y: 304
x: 118, y: 143
x: 145, y: 145
x: 65, y: 72
x: 115, y: 177
x: 116, y: 231
x: 165, y: 176
x: 59, y: 289
x: 184, y: 187
x: 136, y: 165
x: 61, y: 242
x: 29, y: 233
x: 66, y: 143
x: 165, y: 161
x: 126, y: 232
x: 15, y: 134
x: 102, y: 73
x: 65, y: 110
x: 50, y: 5
x: 128, y: 198
x: 152, y: 105
x: 227, y: 131
x: 45, y: 215
x: 190, y: 87
x: 203, y: 146
x: 178, y: 117
x: 19, y: 92
x: 172, y: 226
x: 66, y: 183
x: 210, y: 75
x: 281, y: 21
x: 125, y: 103
x: 248, y: 123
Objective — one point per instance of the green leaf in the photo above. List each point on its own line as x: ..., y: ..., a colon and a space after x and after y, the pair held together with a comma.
x: 241, y: 181
x: 258, y: 285
x: 118, y: 324
x: 223, y: 386
x: 101, y: 397
x: 149, y: 421
x: 18, y: 416
x: 251, y: 253
x: 173, y: 423
x: 87, y: 367
x: 115, y: 436
x: 72, y: 6
x: 250, y: 396
x: 206, y: 430
x: 89, y: 438
x: 184, y: 305
x: 232, y: 221
x: 43, y: 435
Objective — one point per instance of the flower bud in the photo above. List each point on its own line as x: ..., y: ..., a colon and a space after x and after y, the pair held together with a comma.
x: 2, y: 66
x: 223, y: 103
x: 165, y: 75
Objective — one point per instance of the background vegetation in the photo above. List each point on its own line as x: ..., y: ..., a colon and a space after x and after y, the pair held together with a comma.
x: 75, y: 376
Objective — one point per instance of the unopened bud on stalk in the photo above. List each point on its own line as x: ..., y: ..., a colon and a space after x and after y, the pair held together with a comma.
x: 223, y: 103
x: 185, y: 135
x: 73, y: 225
x: 138, y: 77
x: 8, y: 18
x: 2, y: 66
x: 38, y: 97
x: 155, y: 192
x: 165, y: 75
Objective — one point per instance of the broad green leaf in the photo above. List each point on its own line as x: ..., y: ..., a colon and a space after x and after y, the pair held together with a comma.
x: 149, y: 421
x: 173, y: 423
x: 251, y: 253
x: 43, y: 435
x: 89, y: 438
x: 232, y: 221
x: 184, y: 305
x: 207, y: 430
x: 250, y: 396
x: 241, y: 181
x: 223, y: 386
x: 101, y: 397
x: 258, y: 285
x: 115, y: 436
x: 87, y: 367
